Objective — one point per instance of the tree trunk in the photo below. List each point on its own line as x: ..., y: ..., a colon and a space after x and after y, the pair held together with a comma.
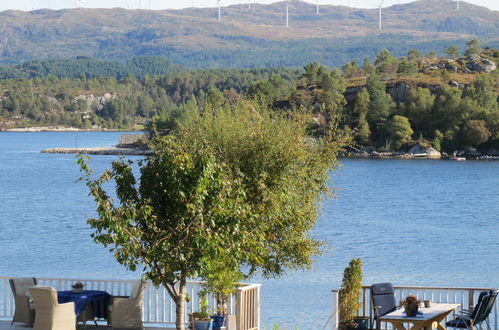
x: 180, y: 303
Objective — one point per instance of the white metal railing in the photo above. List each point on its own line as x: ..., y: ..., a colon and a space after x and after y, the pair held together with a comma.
x: 248, y: 307
x: 466, y: 297
x: 158, y: 307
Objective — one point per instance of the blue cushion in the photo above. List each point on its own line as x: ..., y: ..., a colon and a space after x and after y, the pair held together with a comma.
x: 458, y: 323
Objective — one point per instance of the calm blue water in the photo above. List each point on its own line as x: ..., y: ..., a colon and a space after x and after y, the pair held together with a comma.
x: 413, y: 222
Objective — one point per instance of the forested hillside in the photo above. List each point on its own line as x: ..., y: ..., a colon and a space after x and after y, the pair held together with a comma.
x: 389, y: 103
x: 82, y: 66
x: 244, y: 38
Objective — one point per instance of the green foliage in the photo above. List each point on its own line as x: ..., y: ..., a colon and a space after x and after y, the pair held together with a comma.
x: 419, y: 105
x: 432, y: 54
x: 381, y: 104
x: 350, y: 69
x: 385, y: 63
x: 221, y: 281
x: 452, y: 51
x: 361, y: 108
x: 475, y: 133
x: 484, y: 92
x: 239, y: 185
x: 407, y: 67
x: 413, y: 54
x: 473, y: 47
x: 185, y: 209
x: 349, y: 295
x: 399, y: 131
x: 282, y: 172
x: 87, y: 67
x: 204, y: 306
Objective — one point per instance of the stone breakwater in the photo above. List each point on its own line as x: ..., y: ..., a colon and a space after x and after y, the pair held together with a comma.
x: 99, y: 151
x: 44, y: 129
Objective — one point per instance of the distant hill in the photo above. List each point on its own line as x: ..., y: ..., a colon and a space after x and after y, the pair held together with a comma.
x: 243, y: 38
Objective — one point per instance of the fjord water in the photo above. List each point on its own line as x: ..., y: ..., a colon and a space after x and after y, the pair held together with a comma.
x: 413, y: 222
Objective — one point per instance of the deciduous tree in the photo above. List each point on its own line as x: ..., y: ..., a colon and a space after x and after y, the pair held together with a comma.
x: 240, y: 182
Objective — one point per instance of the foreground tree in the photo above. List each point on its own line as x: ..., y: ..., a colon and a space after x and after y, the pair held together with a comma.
x: 239, y: 183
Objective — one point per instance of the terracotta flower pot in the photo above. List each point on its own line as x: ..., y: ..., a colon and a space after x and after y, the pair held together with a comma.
x: 411, y: 310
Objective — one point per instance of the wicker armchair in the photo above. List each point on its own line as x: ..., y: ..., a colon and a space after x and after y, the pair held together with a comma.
x: 50, y: 315
x: 25, y: 309
x: 126, y: 311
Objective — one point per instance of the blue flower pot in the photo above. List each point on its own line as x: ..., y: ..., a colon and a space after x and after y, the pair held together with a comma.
x: 202, y: 325
x: 218, y: 321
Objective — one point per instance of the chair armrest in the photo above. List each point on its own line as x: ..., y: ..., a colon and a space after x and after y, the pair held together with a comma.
x: 117, y: 297
x: 69, y: 306
x: 123, y: 303
x: 465, y: 317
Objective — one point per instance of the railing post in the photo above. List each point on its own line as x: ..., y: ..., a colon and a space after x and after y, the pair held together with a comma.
x: 258, y: 315
x: 335, y: 312
x: 471, y: 298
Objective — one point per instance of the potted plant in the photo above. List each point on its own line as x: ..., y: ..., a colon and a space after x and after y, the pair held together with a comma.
x: 411, y: 305
x: 349, y: 295
x: 201, y: 320
x: 221, y: 281
x: 78, y: 287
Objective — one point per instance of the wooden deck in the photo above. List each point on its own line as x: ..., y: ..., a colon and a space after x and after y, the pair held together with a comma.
x: 5, y: 325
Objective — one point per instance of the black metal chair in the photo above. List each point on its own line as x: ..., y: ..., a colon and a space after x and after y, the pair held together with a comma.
x: 383, y: 301
x: 480, y: 314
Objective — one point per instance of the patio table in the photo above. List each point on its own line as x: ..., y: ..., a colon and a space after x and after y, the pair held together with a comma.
x: 429, y: 319
x: 97, y: 300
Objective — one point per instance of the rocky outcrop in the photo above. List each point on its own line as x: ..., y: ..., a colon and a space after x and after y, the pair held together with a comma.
x: 399, y: 92
x: 476, y: 63
x: 419, y: 150
x: 93, y: 102
x: 128, y: 140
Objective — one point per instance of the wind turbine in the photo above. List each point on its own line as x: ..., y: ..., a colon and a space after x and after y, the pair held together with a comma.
x: 219, y: 9
x: 317, y: 7
x: 287, y: 13
x: 249, y: 4
x: 380, y: 4
x: 457, y: 5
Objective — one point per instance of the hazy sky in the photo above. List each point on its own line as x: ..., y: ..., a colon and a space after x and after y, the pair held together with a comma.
x: 164, y: 4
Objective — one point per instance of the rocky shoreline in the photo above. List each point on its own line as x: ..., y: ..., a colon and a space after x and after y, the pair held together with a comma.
x: 421, y: 152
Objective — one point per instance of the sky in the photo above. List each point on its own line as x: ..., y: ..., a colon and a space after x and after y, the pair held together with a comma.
x: 176, y: 4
